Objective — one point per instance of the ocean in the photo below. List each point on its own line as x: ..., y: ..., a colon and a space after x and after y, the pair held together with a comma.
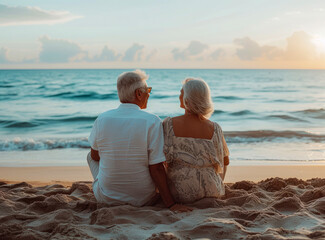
x: 268, y: 116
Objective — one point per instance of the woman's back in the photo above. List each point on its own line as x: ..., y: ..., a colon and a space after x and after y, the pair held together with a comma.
x: 194, y: 153
x: 192, y: 126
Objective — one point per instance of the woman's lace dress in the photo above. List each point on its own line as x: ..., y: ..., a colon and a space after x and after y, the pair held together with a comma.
x: 194, y: 164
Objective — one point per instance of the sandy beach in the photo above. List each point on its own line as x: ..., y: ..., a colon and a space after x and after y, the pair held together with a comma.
x: 43, y: 175
x: 58, y: 203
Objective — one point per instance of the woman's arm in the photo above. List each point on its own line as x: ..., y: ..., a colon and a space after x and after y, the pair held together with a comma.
x: 225, y: 165
x: 158, y: 175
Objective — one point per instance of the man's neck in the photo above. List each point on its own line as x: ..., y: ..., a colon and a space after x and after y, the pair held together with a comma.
x: 131, y: 103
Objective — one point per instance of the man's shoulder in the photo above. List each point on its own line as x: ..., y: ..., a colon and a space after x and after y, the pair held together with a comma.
x: 106, y: 114
x: 150, y: 116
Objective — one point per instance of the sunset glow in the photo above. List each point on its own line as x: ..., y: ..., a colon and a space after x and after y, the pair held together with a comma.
x: 149, y: 34
x: 319, y: 42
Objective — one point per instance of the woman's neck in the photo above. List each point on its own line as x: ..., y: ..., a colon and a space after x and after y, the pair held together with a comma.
x: 193, y: 115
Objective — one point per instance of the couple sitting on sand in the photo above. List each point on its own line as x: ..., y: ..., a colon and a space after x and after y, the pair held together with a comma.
x: 134, y: 155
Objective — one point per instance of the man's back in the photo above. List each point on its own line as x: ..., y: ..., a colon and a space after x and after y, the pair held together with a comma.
x: 128, y: 140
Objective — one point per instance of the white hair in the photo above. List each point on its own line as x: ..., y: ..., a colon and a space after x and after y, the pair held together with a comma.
x: 128, y: 82
x: 197, y: 97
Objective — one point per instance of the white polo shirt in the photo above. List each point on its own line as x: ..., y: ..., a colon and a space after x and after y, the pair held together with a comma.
x: 128, y: 141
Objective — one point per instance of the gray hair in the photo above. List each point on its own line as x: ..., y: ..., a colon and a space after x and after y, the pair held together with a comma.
x: 197, y: 97
x: 128, y: 82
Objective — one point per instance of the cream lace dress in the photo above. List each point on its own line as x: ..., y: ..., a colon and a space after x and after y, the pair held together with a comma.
x: 194, y: 164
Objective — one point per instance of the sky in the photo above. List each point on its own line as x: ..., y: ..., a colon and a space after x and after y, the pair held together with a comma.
x: 251, y: 34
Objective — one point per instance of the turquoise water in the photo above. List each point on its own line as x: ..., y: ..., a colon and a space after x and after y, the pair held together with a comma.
x: 268, y: 116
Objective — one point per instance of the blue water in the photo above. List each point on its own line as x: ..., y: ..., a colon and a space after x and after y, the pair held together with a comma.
x: 268, y: 116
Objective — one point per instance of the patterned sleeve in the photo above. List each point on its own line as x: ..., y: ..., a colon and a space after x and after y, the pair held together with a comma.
x: 225, y: 150
x: 225, y: 147
x: 166, y: 127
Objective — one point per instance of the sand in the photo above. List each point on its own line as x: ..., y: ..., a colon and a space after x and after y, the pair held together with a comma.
x: 41, y: 175
x: 275, y: 208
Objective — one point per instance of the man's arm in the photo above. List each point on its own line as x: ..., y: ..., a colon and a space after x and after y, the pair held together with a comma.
x: 95, y: 155
x: 158, y: 175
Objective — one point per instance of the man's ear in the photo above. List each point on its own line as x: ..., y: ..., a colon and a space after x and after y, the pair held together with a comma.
x: 138, y: 94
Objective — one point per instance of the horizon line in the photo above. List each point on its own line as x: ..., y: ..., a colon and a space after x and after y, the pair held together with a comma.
x: 161, y: 68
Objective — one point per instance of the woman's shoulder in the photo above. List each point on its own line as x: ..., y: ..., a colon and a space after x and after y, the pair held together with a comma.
x: 169, y: 120
x: 167, y: 123
x: 217, y: 127
x: 166, y: 120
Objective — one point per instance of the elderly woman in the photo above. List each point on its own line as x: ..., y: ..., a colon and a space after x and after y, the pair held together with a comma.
x: 195, y: 148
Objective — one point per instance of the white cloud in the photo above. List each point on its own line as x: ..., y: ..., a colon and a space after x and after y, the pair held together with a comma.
x: 195, y: 48
x: 275, y: 19
x: 251, y: 50
x: 3, y: 56
x: 299, y: 48
x: 133, y: 53
x: 291, y: 13
x: 107, y: 55
x: 56, y: 50
x: 32, y: 15
x: 178, y: 54
x: 151, y: 55
x: 218, y: 54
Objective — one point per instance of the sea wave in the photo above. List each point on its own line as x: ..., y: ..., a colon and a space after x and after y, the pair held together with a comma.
x: 286, y: 117
x: 269, y: 135
x: 19, y: 144
x: 242, y: 113
x: 312, y: 113
x: 83, y: 95
x: 227, y: 98
x: 218, y: 112
x: 45, y: 121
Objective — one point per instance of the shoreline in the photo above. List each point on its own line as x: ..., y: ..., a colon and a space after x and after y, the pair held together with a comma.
x: 69, y: 174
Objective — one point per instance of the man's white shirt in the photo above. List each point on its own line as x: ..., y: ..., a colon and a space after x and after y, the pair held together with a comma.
x: 128, y: 141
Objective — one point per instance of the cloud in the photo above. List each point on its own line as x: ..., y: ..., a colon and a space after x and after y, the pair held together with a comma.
x: 32, y: 15
x: 218, y: 54
x: 195, y: 48
x: 299, y: 48
x: 106, y: 55
x: 178, y: 54
x: 250, y: 50
x: 293, y: 13
x: 133, y: 53
x: 56, y: 50
x: 151, y: 55
x: 3, y: 56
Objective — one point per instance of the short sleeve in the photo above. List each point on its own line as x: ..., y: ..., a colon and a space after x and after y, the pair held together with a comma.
x: 92, y: 139
x: 156, y: 143
x: 223, y: 147
x: 166, y: 135
x: 225, y: 151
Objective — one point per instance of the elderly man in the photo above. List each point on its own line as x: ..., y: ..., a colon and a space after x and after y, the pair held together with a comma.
x: 126, y: 158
